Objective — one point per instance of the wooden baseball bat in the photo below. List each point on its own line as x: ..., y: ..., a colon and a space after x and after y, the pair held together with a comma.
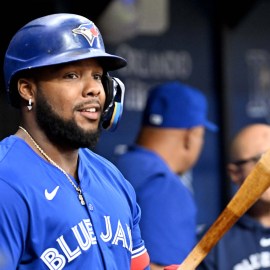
x: 250, y: 191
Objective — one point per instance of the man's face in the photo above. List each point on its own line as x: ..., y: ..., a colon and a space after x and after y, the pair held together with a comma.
x: 69, y: 103
x: 241, y: 168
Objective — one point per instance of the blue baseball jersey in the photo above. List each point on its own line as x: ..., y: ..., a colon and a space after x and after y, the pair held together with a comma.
x: 246, y: 246
x: 43, y: 224
x: 168, y: 222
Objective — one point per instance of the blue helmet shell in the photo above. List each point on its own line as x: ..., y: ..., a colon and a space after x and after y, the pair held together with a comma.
x: 56, y: 39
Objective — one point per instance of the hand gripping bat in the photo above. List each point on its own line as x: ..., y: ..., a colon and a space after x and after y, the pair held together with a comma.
x: 250, y: 191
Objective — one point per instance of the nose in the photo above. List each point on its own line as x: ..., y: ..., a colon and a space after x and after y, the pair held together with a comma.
x: 92, y: 87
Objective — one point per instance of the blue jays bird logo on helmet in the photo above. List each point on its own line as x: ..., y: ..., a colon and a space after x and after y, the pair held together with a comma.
x: 88, y: 30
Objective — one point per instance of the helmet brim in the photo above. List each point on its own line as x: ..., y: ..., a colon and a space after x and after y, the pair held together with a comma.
x: 109, y: 62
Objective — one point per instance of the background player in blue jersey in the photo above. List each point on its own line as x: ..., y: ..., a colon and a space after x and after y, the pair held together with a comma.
x: 61, y: 205
x: 168, y: 145
x: 246, y: 246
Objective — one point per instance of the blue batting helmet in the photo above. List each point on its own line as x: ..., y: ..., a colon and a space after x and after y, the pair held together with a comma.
x: 54, y: 39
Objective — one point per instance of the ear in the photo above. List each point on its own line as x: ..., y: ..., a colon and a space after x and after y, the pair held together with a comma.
x: 194, y: 137
x: 25, y: 88
x: 187, y: 139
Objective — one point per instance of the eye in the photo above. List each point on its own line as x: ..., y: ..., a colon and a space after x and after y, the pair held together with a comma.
x: 71, y: 75
x: 97, y: 77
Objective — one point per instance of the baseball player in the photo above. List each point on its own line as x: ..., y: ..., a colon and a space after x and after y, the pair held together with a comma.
x: 61, y: 205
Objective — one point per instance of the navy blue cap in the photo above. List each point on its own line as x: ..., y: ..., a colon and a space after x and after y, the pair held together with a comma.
x: 176, y: 105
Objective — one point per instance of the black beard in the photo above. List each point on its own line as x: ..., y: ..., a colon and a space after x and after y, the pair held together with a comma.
x: 65, y: 133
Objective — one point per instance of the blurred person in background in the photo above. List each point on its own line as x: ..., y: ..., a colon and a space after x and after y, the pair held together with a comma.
x: 246, y: 245
x: 168, y: 145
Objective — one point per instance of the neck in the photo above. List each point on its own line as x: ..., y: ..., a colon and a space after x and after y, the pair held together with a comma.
x: 168, y: 144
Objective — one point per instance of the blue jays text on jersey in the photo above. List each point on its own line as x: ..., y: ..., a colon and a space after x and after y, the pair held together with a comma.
x: 103, y: 234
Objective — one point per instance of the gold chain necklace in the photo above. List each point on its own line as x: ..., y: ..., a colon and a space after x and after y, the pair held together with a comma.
x: 77, y: 188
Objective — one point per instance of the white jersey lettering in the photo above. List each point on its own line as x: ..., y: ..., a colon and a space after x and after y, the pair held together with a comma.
x: 120, y: 235
x: 89, y: 228
x: 130, y: 239
x: 254, y: 262
x: 107, y: 237
x: 53, y: 259
x: 86, y: 244
x: 71, y: 255
x: 85, y: 238
x: 265, y: 259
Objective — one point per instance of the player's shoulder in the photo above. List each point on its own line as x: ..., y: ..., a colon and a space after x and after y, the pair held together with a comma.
x: 103, y: 168
x: 138, y: 158
x: 7, y: 144
x: 94, y: 158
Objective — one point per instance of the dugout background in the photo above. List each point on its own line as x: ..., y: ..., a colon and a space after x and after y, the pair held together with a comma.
x: 216, y: 46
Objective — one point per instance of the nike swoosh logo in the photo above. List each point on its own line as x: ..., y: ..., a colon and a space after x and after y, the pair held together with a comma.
x: 265, y: 242
x: 50, y: 195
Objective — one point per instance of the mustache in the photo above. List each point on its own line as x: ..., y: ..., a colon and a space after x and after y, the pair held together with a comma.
x: 94, y: 101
